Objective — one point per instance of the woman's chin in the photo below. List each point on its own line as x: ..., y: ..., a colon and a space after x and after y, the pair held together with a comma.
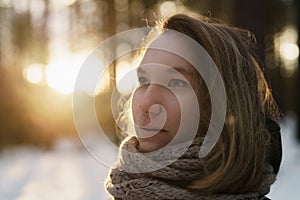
x: 146, y: 145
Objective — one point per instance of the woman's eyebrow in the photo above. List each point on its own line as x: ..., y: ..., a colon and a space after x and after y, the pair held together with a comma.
x: 172, y: 70
x: 181, y: 70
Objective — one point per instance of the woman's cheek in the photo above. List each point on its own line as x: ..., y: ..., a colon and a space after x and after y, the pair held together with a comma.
x: 134, y: 107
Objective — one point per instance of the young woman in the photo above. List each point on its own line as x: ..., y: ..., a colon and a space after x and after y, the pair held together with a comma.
x: 173, y: 111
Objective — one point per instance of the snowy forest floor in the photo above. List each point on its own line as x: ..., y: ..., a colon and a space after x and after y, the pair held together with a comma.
x: 69, y: 172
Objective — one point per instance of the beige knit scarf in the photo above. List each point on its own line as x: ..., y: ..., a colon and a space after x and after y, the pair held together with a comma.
x: 137, y: 177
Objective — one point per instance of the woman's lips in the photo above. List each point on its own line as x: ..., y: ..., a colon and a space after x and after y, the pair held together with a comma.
x: 149, y: 132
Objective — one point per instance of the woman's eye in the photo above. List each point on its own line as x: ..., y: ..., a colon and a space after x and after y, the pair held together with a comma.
x: 177, y: 83
x: 143, y: 81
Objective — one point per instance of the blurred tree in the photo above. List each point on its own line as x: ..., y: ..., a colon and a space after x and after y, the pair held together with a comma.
x: 251, y: 14
x: 103, y: 100
x: 262, y: 19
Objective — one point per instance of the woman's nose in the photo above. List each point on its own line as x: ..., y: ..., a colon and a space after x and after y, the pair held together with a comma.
x: 151, y: 99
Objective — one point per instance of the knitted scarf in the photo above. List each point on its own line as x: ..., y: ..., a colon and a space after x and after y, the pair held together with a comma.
x: 137, y: 177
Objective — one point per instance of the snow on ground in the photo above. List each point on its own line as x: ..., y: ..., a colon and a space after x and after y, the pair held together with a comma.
x: 69, y: 172
x: 287, y: 186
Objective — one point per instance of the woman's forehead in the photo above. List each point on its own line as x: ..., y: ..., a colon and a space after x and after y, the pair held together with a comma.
x: 167, y: 49
x: 163, y: 57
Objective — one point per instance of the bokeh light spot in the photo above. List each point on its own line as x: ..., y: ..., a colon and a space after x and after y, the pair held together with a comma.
x: 34, y: 73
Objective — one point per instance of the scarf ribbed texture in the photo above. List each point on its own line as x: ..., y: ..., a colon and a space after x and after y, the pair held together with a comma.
x: 137, y: 177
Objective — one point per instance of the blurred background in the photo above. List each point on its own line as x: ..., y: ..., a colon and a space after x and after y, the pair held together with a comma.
x: 43, y: 43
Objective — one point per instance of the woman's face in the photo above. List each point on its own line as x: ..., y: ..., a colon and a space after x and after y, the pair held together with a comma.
x: 164, y: 103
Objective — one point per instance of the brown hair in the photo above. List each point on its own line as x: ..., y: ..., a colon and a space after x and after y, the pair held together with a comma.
x: 236, y: 163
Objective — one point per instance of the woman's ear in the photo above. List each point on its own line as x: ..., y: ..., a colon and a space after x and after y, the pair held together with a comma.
x: 275, y: 148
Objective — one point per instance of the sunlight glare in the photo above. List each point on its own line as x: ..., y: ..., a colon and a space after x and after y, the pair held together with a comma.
x: 34, y: 73
x: 61, y: 75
